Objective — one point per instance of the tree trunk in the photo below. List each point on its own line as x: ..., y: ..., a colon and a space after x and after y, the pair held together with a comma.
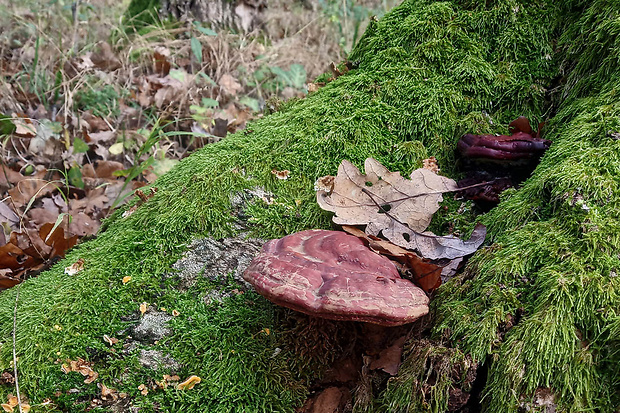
x: 242, y: 15
x: 538, y: 308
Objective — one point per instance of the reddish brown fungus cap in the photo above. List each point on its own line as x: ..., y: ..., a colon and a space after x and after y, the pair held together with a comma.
x: 333, y: 275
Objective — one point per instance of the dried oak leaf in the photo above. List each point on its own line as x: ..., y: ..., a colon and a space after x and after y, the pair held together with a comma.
x: 432, y: 246
x: 56, y: 239
x: 358, y: 199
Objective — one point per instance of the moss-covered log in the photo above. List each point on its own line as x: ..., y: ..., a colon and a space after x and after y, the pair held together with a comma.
x: 539, y: 307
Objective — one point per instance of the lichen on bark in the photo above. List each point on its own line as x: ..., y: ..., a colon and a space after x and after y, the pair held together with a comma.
x: 538, y: 307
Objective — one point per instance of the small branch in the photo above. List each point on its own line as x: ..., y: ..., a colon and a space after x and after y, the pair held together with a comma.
x: 434, y: 192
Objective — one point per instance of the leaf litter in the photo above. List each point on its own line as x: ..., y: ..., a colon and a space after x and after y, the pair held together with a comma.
x: 400, y: 210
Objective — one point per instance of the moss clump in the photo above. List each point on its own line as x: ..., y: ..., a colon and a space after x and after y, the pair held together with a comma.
x: 427, y: 72
x: 141, y: 13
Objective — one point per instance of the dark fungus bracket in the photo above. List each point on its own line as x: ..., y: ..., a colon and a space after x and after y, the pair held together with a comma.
x: 502, y: 160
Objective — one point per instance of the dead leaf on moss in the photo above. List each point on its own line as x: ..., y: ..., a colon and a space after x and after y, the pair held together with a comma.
x: 189, y: 383
x: 126, y: 279
x: 380, y: 196
x: 6, y: 378
x: 75, y: 268
x: 143, y: 308
x: 143, y: 389
x: 108, y: 393
x: 110, y: 340
x: 80, y: 366
x: 431, y: 164
x: 389, y: 358
x: 283, y: 175
x: 433, y: 246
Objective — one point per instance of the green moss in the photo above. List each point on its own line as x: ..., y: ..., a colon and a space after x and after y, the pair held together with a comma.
x: 428, y: 71
x: 141, y: 13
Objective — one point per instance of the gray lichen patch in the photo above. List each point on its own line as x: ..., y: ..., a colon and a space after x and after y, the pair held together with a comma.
x: 156, y: 359
x: 215, y: 259
x: 152, y: 327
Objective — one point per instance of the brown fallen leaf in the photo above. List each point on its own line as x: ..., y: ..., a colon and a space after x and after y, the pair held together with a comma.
x: 24, y: 128
x: 110, y: 340
x: 161, y: 65
x: 57, y: 240
x: 108, y: 393
x: 143, y: 389
x: 380, y: 197
x: 102, y: 169
x: 80, y: 366
x: 105, y: 58
x: 431, y: 164
x: 33, y: 187
x: 230, y: 85
x: 389, y: 358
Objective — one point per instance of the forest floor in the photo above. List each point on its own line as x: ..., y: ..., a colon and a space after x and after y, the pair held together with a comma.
x: 90, y: 110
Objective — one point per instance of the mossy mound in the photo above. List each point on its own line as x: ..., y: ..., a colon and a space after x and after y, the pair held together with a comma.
x: 426, y: 73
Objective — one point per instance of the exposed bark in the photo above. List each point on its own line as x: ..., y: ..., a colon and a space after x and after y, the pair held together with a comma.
x: 242, y: 15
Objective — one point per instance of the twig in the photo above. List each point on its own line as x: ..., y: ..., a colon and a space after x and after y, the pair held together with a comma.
x: 422, y: 194
x: 19, y: 397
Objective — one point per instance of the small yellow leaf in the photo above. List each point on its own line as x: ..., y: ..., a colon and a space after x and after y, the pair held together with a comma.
x: 189, y: 383
x: 116, y: 149
x: 57, y: 327
x: 266, y: 330
x: 175, y: 313
x: 126, y: 279
x: 143, y: 308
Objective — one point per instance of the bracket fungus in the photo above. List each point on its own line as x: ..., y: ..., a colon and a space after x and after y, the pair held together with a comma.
x: 333, y: 275
x: 503, y: 161
x: 523, y: 144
